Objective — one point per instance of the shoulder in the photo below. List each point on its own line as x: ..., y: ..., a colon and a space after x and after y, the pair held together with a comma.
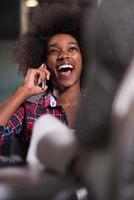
x: 39, y: 100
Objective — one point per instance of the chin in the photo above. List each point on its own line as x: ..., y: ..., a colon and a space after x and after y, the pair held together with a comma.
x: 66, y: 85
x: 63, y: 85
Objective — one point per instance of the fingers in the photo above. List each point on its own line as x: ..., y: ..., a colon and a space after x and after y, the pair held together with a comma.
x: 44, y: 73
x: 35, y: 79
x: 38, y: 75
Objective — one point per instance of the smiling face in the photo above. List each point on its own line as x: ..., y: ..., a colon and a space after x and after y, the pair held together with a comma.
x: 64, y: 60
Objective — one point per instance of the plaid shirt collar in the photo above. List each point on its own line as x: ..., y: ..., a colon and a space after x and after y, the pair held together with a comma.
x: 46, y: 97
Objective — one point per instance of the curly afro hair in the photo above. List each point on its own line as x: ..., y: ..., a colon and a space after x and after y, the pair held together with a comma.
x: 46, y: 21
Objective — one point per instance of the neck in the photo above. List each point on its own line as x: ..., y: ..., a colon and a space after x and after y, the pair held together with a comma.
x: 67, y: 96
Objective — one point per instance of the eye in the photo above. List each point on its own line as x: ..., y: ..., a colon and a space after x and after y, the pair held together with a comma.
x: 53, y: 51
x: 73, y: 48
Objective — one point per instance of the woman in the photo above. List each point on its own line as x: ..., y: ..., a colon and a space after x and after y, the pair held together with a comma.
x: 51, y: 57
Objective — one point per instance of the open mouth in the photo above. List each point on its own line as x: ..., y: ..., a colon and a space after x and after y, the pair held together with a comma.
x: 65, y: 69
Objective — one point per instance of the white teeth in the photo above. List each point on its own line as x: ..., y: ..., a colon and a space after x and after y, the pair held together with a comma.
x: 65, y: 66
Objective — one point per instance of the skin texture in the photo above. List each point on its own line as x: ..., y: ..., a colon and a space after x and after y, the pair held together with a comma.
x: 64, y: 49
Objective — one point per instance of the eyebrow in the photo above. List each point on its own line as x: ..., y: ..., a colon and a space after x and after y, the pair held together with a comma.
x: 55, y: 44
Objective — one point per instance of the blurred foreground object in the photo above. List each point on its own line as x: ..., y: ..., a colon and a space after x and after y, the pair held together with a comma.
x: 53, y: 144
x: 110, y: 41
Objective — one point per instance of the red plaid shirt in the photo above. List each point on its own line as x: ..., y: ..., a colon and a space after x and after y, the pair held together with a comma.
x: 21, y: 123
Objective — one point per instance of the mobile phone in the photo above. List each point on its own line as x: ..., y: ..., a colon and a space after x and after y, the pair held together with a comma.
x: 42, y: 84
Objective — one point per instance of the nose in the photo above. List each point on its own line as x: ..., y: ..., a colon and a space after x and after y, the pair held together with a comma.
x: 63, y: 54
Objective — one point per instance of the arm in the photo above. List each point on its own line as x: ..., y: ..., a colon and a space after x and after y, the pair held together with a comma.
x: 29, y: 88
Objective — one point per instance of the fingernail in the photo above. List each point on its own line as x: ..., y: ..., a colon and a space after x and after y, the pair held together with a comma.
x: 48, y: 76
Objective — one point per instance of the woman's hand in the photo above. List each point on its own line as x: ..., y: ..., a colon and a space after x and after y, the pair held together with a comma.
x: 30, y: 87
x: 34, y: 78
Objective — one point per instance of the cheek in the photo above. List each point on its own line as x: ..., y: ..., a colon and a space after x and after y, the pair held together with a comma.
x: 51, y: 64
x: 51, y: 60
x: 79, y: 61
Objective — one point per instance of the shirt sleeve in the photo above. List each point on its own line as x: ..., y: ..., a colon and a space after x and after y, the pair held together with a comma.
x: 13, y: 127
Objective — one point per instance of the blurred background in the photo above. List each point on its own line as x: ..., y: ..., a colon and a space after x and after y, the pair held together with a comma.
x: 14, y: 18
